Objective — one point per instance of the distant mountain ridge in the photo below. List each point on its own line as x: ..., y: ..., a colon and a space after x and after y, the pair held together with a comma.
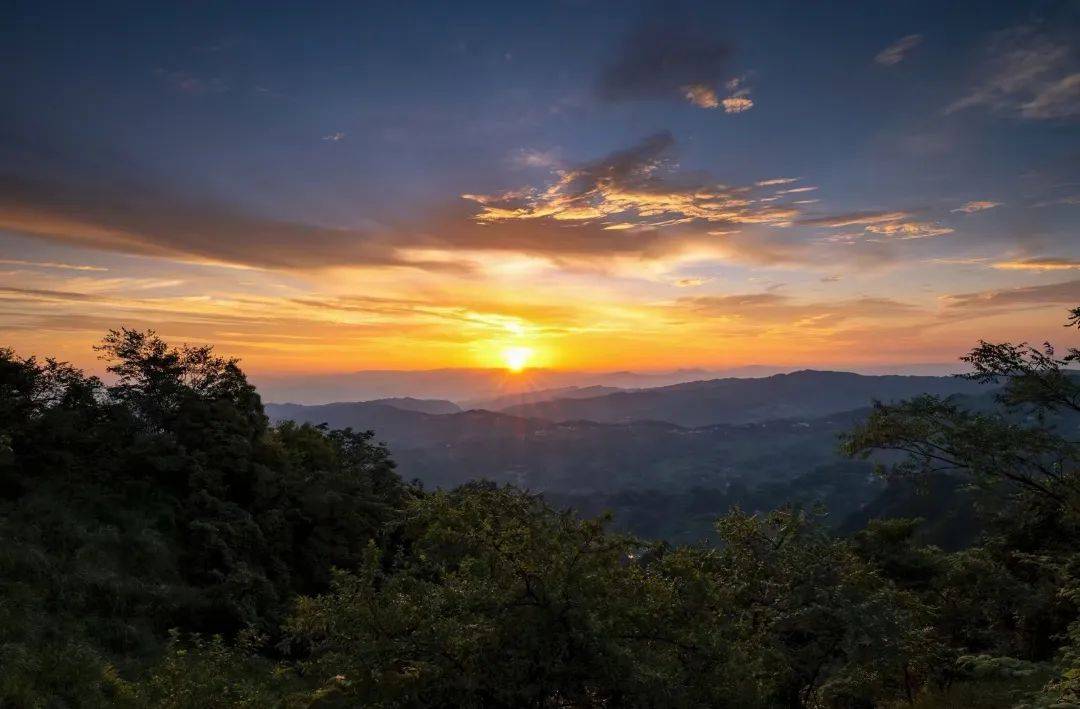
x: 559, y: 441
x: 340, y: 413
x: 467, y: 387
x: 458, y: 385
x: 501, y: 403
x: 404, y: 428
x: 805, y: 393
x: 665, y: 478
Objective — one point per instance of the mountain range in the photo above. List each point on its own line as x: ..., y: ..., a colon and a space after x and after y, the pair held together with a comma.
x: 802, y: 394
x: 666, y: 459
x: 474, y: 388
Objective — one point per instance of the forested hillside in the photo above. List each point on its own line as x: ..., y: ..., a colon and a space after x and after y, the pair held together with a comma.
x: 664, y: 481
x: 162, y: 544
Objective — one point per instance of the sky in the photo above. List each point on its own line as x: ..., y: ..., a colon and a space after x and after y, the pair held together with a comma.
x: 330, y: 187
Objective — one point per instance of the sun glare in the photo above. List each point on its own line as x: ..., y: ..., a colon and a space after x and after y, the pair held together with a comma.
x: 516, y: 358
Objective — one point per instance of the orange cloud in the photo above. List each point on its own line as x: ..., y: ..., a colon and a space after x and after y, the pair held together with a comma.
x: 633, y: 186
x: 1038, y: 264
x: 909, y: 230
x: 855, y: 219
x: 701, y: 96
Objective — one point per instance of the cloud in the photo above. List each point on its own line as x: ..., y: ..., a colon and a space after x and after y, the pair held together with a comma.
x: 1057, y: 100
x: 896, y: 225
x: 739, y: 100
x: 830, y: 279
x: 1068, y: 199
x: 690, y: 282
x: 632, y: 212
x: 764, y: 311
x: 704, y: 96
x: 1066, y: 293
x: 971, y: 207
x: 701, y: 96
x: 47, y: 294
x: 526, y: 157
x: 665, y: 57
x: 898, y: 50
x: 139, y: 218
x: 717, y: 303
x: 565, y: 225
x: 1028, y: 73
x: 631, y: 188
x: 776, y: 181
x: 334, y: 137
x: 854, y: 219
x: 1039, y: 264
x: 909, y: 230
x: 959, y: 260
x: 737, y: 104
x: 51, y: 264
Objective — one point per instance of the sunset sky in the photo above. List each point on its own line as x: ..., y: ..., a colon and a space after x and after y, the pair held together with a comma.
x: 324, y: 187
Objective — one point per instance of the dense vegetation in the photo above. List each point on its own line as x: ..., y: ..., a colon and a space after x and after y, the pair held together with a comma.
x: 162, y: 545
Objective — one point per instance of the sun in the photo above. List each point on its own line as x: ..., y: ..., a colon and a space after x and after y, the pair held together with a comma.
x: 516, y: 358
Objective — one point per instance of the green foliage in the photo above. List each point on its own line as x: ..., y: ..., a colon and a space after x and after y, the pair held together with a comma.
x: 162, y: 545
x: 198, y: 673
x: 1028, y: 456
x: 162, y: 501
x: 499, y: 600
x: 1063, y: 689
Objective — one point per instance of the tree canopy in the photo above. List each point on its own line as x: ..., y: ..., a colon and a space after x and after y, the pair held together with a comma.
x: 161, y: 544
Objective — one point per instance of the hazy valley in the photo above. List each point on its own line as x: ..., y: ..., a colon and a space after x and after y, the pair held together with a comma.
x: 665, y: 460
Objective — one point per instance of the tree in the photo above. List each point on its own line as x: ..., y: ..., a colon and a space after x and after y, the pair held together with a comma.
x: 1015, y: 594
x: 165, y: 500
x: 1024, y: 453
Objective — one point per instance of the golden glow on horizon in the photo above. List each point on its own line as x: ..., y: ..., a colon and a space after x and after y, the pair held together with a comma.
x: 516, y: 358
x: 280, y: 324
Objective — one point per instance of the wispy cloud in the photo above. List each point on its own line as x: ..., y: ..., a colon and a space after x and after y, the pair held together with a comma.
x: 141, y: 218
x: 1072, y: 199
x: 980, y: 206
x: 896, y: 225
x: 1028, y: 73
x: 690, y: 282
x: 1065, y: 293
x: 898, y: 50
x: 51, y: 264
x: 855, y: 219
x: 334, y: 137
x: 910, y: 230
x: 526, y: 157
x: 765, y: 311
x: 635, y: 187
x: 776, y: 181
x: 1039, y: 264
